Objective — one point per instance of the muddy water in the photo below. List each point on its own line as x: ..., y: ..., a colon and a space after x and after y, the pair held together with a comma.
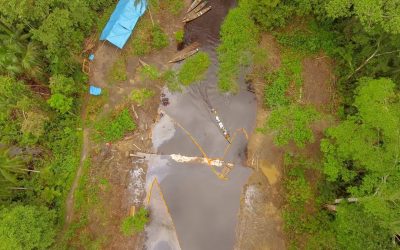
x: 203, y: 208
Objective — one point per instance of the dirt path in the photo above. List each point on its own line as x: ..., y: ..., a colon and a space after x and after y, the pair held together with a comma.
x: 69, y: 205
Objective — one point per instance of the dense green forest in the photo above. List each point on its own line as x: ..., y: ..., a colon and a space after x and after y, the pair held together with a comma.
x: 41, y: 84
x: 41, y: 89
x: 360, y: 153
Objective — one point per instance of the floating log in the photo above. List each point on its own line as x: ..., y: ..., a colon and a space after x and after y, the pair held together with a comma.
x: 197, y: 14
x: 186, y: 52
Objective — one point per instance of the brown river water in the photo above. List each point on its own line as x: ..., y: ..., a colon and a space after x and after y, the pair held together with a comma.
x: 203, y: 208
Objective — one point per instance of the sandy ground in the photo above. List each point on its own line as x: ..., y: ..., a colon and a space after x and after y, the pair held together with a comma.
x: 261, y: 225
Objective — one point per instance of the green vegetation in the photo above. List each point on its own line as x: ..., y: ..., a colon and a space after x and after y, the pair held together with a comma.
x: 291, y: 123
x: 114, y: 128
x: 139, y: 96
x: 147, y: 37
x: 194, y: 68
x: 171, y: 79
x: 159, y: 39
x: 179, y: 36
x: 26, y: 227
x: 136, y: 223
x: 288, y: 75
x: 149, y: 72
x: 238, y: 37
x: 117, y: 72
x: 174, y: 6
x: 87, y: 203
x: 360, y: 152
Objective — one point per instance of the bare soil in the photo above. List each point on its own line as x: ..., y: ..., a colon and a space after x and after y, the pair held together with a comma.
x: 261, y: 224
x: 110, y: 162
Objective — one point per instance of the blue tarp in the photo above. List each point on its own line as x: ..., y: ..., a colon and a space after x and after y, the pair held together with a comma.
x: 93, y: 90
x: 122, y: 21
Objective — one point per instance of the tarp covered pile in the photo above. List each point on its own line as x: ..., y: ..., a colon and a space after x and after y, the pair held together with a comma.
x: 122, y: 21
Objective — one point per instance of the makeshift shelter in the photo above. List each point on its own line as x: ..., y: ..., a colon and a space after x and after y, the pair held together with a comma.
x: 122, y: 21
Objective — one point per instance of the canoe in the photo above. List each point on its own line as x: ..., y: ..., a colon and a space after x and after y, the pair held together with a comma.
x: 193, y: 5
x: 186, y: 52
x: 195, y: 10
x: 197, y: 14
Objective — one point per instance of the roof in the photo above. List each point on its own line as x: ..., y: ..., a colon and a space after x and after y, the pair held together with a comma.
x: 122, y: 21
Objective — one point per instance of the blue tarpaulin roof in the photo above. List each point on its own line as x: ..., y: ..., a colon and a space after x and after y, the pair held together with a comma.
x: 122, y: 21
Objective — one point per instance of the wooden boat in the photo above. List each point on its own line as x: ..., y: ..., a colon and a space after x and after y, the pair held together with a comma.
x: 197, y: 14
x: 195, y: 10
x: 193, y: 5
x: 186, y: 52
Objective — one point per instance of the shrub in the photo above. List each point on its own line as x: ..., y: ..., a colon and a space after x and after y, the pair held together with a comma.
x: 194, y: 68
x: 136, y: 223
x: 238, y: 37
x: 179, y: 36
x: 159, y: 39
x: 289, y: 74
x: 275, y: 93
x: 174, y: 6
x: 118, y: 71
x: 171, y: 79
x: 291, y: 123
x: 149, y: 72
x: 61, y: 103
x: 139, y: 96
x: 26, y: 227
x: 114, y: 129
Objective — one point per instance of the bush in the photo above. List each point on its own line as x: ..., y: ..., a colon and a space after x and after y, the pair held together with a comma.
x: 291, y: 123
x: 149, y: 72
x: 289, y: 74
x: 194, y: 68
x: 275, y: 93
x: 118, y: 71
x: 171, y: 79
x: 135, y: 224
x: 311, y: 41
x: 26, y: 227
x: 174, y: 6
x: 114, y: 129
x: 159, y: 39
x: 179, y: 36
x: 139, y: 96
x: 238, y: 36
x: 141, y: 38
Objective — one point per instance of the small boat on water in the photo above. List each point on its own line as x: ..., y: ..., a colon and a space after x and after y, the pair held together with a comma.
x: 193, y: 5
x: 195, y: 15
x: 221, y: 126
x: 195, y: 10
x: 186, y: 52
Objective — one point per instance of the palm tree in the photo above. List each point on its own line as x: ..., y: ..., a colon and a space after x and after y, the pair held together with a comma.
x: 10, y: 167
x: 19, y: 56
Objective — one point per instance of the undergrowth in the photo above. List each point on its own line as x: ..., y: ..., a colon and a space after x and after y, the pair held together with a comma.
x: 114, y: 128
x: 147, y: 37
x: 136, y: 223
x: 139, y: 96
x: 238, y: 37
x: 194, y: 68
x: 278, y: 83
x: 118, y: 71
